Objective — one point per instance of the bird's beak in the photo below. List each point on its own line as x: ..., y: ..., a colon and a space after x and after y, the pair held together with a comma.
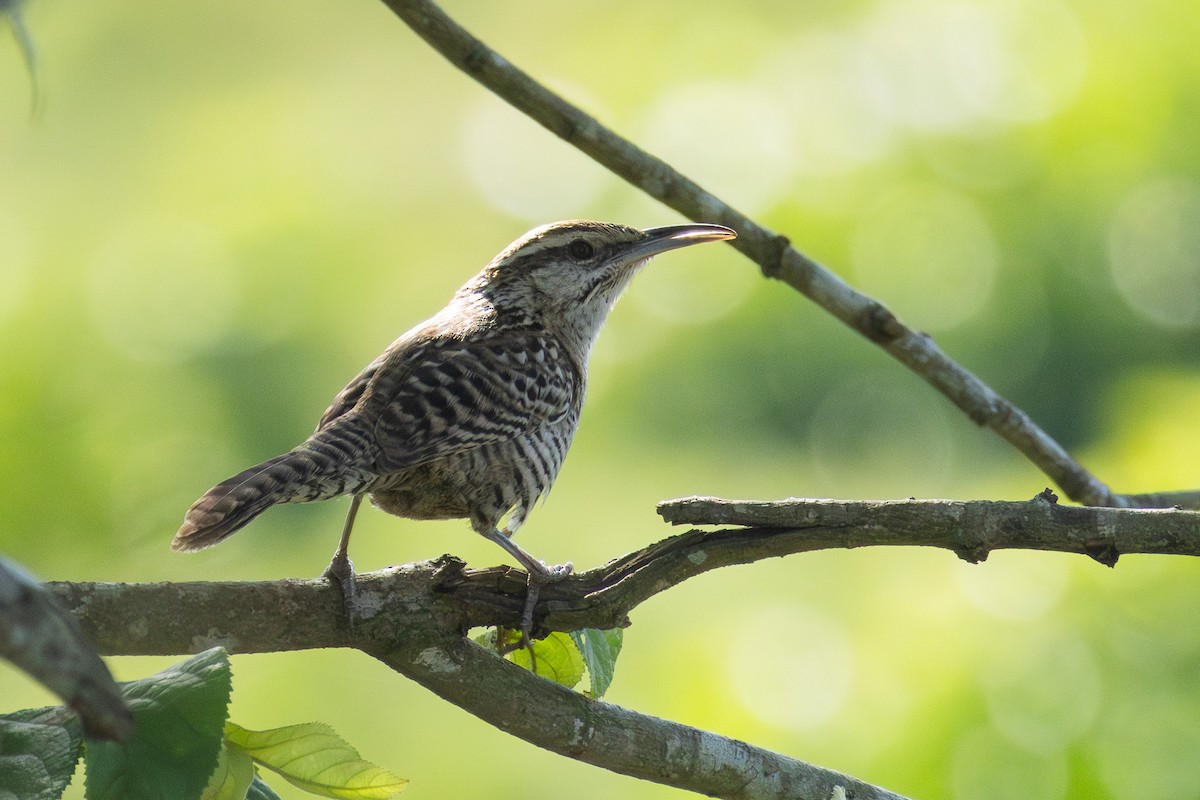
x: 671, y: 237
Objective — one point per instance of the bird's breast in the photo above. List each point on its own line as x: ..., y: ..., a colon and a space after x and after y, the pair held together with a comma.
x: 483, y: 482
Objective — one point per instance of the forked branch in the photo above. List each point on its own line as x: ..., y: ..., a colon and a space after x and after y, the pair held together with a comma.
x: 773, y: 253
x: 412, y: 621
x: 414, y: 617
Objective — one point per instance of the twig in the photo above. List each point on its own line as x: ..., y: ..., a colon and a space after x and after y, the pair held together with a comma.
x: 970, y: 529
x: 772, y: 252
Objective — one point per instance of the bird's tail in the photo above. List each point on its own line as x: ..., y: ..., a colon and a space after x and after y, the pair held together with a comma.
x: 310, y: 472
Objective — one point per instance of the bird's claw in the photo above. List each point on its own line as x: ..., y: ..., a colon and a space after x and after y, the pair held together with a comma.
x: 538, y: 579
x: 340, y: 572
x: 551, y: 574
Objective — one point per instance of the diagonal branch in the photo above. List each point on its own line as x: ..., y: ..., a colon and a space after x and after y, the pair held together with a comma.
x: 570, y: 724
x: 772, y: 252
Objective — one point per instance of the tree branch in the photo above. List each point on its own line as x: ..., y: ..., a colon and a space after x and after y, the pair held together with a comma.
x: 971, y: 530
x: 604, y: 597
x: 413, y: 618
x: 773, y: 253
x: 413, y: 622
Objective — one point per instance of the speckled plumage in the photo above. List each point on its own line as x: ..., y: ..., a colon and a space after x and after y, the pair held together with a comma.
x: 469, y: 414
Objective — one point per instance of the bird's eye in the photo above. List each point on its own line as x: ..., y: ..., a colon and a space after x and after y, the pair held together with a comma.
x: 581, y: 250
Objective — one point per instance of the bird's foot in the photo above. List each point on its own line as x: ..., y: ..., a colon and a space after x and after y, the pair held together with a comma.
x: 537, y: 579
x: 340, y: 573
x: 554, y: 573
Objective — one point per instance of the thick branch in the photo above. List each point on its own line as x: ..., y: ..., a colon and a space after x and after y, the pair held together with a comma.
x: 568, y: 723
x: 147, y: 619
x: 412, y: 620
x: 772, y: 252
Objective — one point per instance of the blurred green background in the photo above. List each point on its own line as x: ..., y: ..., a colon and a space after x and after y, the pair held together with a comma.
x: 225, y: 209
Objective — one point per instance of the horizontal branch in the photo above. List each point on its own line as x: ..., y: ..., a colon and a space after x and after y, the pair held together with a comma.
x: 414, y: 618
x: 411, y: 619
x: 772, y: 252
x: 604, y: 597
x: 167, y: 618
x: 972, y: 529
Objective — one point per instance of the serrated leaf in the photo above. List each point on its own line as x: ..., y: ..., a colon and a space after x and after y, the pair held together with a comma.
x: 179, y: 716
x: 599, y: 650
x: 40, y: 637
x: 317, y: 760
x: 233, y: 776
x: 38, y: 751
x: 557, y: 659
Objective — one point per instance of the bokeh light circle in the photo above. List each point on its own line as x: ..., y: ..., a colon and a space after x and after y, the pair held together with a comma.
x: 524, y: 170
x: 818, y: 80
x: 1154, y: 251
x: 928, y: 253
x: 791, y: 667
x: 730, y: 135
x: 940, y: 65
x: 1044, y: 694
x: 1016, y: 586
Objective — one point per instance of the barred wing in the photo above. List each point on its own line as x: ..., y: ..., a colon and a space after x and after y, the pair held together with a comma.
x: 348, y: 398
x: 451, y: 395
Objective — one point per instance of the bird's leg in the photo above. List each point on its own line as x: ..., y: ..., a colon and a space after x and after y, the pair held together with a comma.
x: 539, y: 576
x: 341, y: 568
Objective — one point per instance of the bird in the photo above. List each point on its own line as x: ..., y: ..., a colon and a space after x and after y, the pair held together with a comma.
x: 470, y: 413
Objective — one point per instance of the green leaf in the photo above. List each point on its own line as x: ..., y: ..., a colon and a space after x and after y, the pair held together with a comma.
x: 38, y: 751
x: 317, y: 760
x: 557, y: 659
x: 179, y: 717
x: 233, y: 777
x: 564, y: 658
x: 600, y: 650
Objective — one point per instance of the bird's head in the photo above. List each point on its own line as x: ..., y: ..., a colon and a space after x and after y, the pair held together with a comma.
x: 571, y: 273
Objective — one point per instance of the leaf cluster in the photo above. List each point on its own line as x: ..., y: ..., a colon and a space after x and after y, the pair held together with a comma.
x: 182, y: 746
